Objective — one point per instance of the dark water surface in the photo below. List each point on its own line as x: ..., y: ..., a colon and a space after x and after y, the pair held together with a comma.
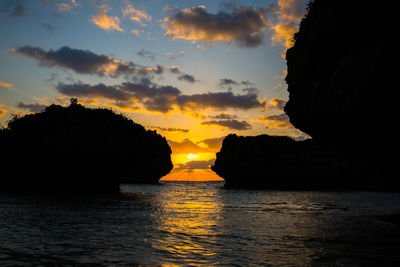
x: 201, y: 223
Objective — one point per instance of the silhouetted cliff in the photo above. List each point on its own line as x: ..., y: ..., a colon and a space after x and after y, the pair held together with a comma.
x: 279, y: 162
x: 343, y: 82
x: 79, y: 149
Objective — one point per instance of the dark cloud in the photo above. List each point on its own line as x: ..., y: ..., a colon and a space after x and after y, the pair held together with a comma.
x: 170, y: 129
x: 100, y: 90
x: 78, y: 60
x: 243, y: 25
x: 32, y: 107
x: 48, y: 27
x: 213, y: 143
x: 154, y: 98
x: 251, y: 90
x: 280, y: 121
x: 145, y: 53
x: 231, y: 124
x: 246, y: 83
x: 223, y: 116
x: 15, y: 8
x: 187, y: 77
x: 85, y: 62
x: 278, y: 103
x: 228, y: 83
x: 187, y: 146
x: 160, y: 98
x: 220, y: 100
x: 195, y: 165
x: 182, y: 76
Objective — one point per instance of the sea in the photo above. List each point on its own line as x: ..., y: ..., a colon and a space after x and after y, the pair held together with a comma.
x: 200, y: 224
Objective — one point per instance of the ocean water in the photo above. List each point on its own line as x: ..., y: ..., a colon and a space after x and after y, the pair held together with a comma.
x: 201, y: 224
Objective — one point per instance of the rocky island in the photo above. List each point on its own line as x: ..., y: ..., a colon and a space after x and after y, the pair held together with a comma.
x: 78, y: 149
x: 343, y: 83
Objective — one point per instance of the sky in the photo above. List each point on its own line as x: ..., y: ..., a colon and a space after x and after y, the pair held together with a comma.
x: 194, y: 71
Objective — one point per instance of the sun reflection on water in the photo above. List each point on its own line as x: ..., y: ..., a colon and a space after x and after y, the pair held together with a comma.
x: 189, y: 219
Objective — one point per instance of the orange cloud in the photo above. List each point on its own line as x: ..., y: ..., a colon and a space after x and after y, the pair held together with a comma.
x: 6, y: 85
x: 2, y: 111
x: 283, y: 33
x: 289, y: 13
x: 291, y: 9
x: 278, y: 103
x: 136, y: 15
x: 104, y: 21
x: 136, y: 32
x: 280, y: 121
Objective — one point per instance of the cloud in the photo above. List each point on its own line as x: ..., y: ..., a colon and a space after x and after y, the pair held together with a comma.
x: 136, y: 32
x: 186, y: 147
x: 195, y: 164
x: 229, y: 83
x: 231, y: 124
x: 152, y: 97
x: 85, y: 62
x: 182, y: 76
x: 220, y: 101
x: 33, y: 107
x: 171, y: 55
x: 280, y: 121
x: 64, y: 7
x: 136, y: 15
x: 284, y: 32
x: 288, y: 14
x: 278, y: 103
x: 81, y: 61
x: 291, y: 9
x: 167, y: 8
x: 146, y: 53
x: 223, y: 116
x: 2, y: 111
x: 169, y: 129
x: 15, y: 8
x: 93, y: 91
x: 244, y: 26
x: 102, y: 20
x: 6, y: 85
x: 48, y: 27
x: 187, y: 77
x: 160, y: 98
x: 213, y: 143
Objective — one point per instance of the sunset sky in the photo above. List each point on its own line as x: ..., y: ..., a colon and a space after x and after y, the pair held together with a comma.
x: 194, y: 71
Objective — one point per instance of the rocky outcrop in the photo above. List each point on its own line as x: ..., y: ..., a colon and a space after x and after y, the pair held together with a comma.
x: 343, y: 79
x: 343, y: 83
x: 75, y: 148
x: 279, y: 162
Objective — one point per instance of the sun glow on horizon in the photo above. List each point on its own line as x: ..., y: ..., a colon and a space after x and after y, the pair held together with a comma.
x: 192, y: 156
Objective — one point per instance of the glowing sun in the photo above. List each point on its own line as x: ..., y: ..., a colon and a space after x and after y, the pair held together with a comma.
x: 192, y: 156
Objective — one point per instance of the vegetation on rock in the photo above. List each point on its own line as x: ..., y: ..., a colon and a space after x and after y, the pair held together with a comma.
x: 79, y: 149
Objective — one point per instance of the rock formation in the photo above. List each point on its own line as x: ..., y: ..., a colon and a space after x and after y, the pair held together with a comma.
x: 343, y: 81
x: 79, y: 149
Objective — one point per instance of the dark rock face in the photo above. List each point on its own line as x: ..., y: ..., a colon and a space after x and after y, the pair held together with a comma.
x: 279, y: 162
x: 343, y: 81
x: 76, y: 149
